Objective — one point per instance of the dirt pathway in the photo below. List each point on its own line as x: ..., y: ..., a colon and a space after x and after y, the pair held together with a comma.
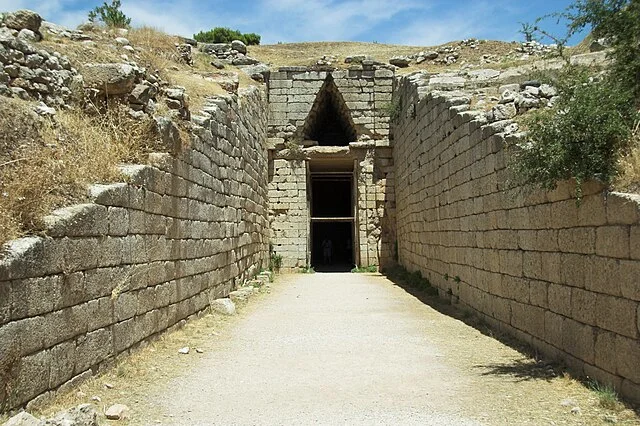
x: 352, y: 349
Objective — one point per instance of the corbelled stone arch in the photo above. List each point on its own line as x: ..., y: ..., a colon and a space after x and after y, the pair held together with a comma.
x: 329, y: 122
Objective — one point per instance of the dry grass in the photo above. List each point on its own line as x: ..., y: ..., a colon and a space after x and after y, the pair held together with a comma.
x: 629, y: 178
x: 69, y: 152
x: 305, y: 54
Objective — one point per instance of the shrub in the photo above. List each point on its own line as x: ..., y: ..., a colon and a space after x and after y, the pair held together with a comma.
x: 110, y: 15
x: 226, y: 35
x: 592, y: 123
x: 581, y: 137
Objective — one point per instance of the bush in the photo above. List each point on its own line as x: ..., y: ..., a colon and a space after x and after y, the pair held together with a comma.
x: 226, y: 35
x: 592, y: 123
x: 581, y: 137
x: 110, y: 15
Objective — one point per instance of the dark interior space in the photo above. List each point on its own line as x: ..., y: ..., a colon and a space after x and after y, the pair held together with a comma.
x: 329, y: 122
x: 331, y: 196
x: 340, y: 235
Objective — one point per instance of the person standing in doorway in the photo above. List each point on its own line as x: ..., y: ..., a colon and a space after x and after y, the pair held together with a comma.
x: 327, y: 249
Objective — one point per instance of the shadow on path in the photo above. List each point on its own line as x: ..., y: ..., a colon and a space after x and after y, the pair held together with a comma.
x: 534, y: 368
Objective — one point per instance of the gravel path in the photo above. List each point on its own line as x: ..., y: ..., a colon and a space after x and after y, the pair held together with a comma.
x: 354, y: 349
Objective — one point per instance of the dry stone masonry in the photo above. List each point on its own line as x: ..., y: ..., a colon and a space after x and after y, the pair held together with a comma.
x: 560, y: 276
x: 142, y: 257
x: 430, y: 192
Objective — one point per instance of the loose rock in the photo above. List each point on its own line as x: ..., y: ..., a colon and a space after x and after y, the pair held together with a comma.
x: 117, y: 412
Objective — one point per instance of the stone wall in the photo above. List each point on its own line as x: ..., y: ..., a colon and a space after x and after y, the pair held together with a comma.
x: 293, y: 91
x: 364, y: 92
x: 142, y: 257
x: 562, y: 277
x: 289, y: 211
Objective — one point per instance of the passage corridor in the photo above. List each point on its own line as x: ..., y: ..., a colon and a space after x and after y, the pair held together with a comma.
x: 355, y: 349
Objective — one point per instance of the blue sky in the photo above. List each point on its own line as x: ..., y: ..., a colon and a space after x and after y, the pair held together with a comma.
x: 412, y: 22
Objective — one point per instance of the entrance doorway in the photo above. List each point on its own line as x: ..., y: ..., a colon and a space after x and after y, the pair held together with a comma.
x: 332, y: 218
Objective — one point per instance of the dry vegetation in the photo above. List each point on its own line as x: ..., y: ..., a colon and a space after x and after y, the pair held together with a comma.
x: 304, y: 54
x: 53, y: 165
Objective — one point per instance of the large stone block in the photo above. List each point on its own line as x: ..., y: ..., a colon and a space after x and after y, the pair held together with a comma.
x: 63, y: 361
x: 579, y: 340
x: 92, y: 349
x: 617, y: 314
x: 628, y: 358
x: 613, y: 241
x: 32, y: 378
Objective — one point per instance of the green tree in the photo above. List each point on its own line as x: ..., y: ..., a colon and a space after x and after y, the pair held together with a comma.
x: 110, y: 15
x: 594, y: 119
x: 226, y: 35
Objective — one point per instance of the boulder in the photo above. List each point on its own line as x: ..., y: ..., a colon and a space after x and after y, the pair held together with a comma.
x: 140, y: 94
x: 109, y: 79
x: 239, y: 46
x: 223, y: 306
x: 23, y: 19
x: 82, y: 415
x: 244, y: 60
x: 259, y: 72
x: 400, y: 61
x: 29, y: 36
x: 22, y: 419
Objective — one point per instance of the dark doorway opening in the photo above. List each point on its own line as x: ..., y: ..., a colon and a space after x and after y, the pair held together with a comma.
x: 340, y: 234
x: 332, y: 232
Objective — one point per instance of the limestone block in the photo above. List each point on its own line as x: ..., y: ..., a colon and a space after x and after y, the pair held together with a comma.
x: 115, y: 194
x: 125, y: 305
x: 80, y: 220
x: 606, y: 351
x: 573, y: 269
x: 118, y: 219
x: 553, y: 325
x: 634, y: 242
x: 123, y: 335
x: 560, y: 299
x: 100, y: 313
x: 64, y: 324
x: 92, y: 349
x: 592, y: 211
x: 623, y: 209
x: 528, y: 318
x: 583, y: 306
x: 616, y: 314
x: 577, y: 240
x: 538, y: 293
x: 26, y: 387
x: 613, y: 241
x: 629, y: 282
x: 603, y: 275
x: 628, y: 358
x: 579, y: 340
x: 34, y: 296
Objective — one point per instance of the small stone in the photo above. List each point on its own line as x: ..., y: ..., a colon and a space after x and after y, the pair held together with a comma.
x: 122, y: 41
x: 576, y: 410
x: 218, y: 64
x: 200, y: 351
x: 610, y: 418
x: 45, y: 110
x: 184, y: 350
x: 117, y: 412
x: 96, y: 398
x: 109, y: 385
